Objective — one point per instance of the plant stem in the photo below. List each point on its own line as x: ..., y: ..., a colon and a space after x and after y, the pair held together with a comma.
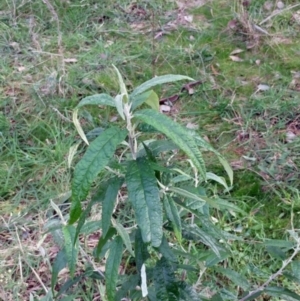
x: 131, y: 130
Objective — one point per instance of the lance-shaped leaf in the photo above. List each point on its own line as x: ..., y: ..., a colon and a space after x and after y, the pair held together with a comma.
x: 122, y: 85
x: 165, y: 282
x: 198, y: 234
x: 173, y: 215
x: 97, y: 99
x: 237, y: 278
x: 60, y: 262
x: 98, y: 154
x: 112, y: 267
x: 124, y: 235
x: 204, y: 144
x: 159, y: 80
x: 140, y: 99
x: 70, y: 247
x: 144, y: 196
x: 178, y: 134
x: 109, y: 202
x: 140, y: 250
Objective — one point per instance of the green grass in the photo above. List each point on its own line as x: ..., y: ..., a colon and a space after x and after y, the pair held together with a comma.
x: 38, y: 92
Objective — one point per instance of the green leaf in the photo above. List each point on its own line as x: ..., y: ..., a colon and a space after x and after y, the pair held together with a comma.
x: 158, y: 147
x: 252, y: 297
x: 227, y: 168
x: 159, y: 80
x: 166, y: 251
x: 119, y: 105
x: 97, y: 99
x: 235, y: 277
x: 70, y: 247
x: 78, y: 126
x: 165, y: 282
x: 128, y: 284
x: 296, y: 268
x: 122, y: 85
x: 190, y: 195
x: 98, y: 154
x: 153, y: 101
x: 88, y: 227
x: 68, y: 284
x: 144, y: 196
x: 188, y: 293
x: 285, y: 245
x: 112, y: 267
x: 198, y: 234
x: 205, y: 145
x: 173, y: 215
x: 276, y: 252
x: 103, y: 240
x: 139, y: 99
x: 223, y: 204
x: 281, y: 292
x: 220, y: 180
x: 91, y: 227
x: 60, y: 262
x: 140, y: 251
x: 83, y: 218
x: 178, y: 134
x: 124, y: 235
x: 109, y: 201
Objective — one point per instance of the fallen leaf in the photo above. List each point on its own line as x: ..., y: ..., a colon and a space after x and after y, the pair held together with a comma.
x: 189, y: 86
x: 164, y: 108
x: 21, y: 68
x: 192, y: 126
x: 113, y: 119
x: 168, y: 100
x: 263, y: 87
x: 235, y: 58
x: 290, y: 136
x: 158, y: 35
x: 15, y: 46
x: 188, y: 18
x: 108, y: 43
x: 70, y: 60
x: 280, y: 5
x: 236, y: 51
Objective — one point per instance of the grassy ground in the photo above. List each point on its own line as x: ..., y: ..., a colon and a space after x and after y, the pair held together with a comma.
x: 55, y: 53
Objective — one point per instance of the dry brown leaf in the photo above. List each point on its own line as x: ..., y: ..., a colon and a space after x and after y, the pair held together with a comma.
x: 21, y: 68
x: 190, y: 86
x: 70, y: 60
x: 170, y: 99
x: 188, y: 18
x: 141, y: 26
x: 236, y: 51
x: 235, y: 58
x: 164, y: 108
x: 192, y: 126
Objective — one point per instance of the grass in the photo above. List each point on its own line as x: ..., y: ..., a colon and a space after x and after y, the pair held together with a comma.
x: 43, y: 78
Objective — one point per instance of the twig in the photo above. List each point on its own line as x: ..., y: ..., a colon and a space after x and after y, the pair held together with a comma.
x: 274, y: 276
x: 277, y: 13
